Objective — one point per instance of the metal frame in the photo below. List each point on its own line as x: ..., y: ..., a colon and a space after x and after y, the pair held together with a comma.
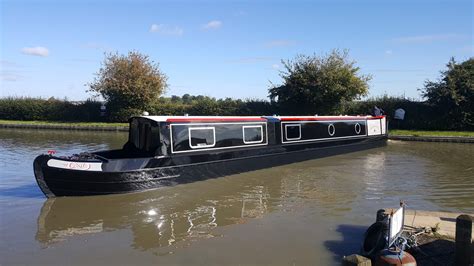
x: 202, y: 146
x: 391, y: 240
x: 292, y: 125
x: 253, y: 141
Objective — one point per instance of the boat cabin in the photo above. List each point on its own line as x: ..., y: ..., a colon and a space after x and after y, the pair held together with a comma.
x: 173, y: 135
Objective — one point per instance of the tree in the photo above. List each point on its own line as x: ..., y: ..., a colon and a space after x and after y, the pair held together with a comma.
x: 129, y: 83
x: 186, y: 98
x: 318, y: 84
x: 453, y: 94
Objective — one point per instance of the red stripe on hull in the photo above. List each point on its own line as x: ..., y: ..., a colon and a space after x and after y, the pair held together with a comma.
x: 223, y: 119
x: 327, y: 118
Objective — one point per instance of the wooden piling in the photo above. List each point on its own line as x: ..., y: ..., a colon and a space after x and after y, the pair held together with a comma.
x: 463, y: 238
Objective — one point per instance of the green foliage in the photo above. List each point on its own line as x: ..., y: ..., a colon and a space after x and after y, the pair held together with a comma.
x: 318, y: 84
x: 204, y: 105
x: 26, y: 108
x: 122, y: 115
x: 453, y: 94
x: 60, y: 110
x: 419, y: 115
x: 129, y: 83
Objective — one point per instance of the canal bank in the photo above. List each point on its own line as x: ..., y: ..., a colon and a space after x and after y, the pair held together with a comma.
x: 433, y: 139
x: 442, y: 224
x: 440, y: 237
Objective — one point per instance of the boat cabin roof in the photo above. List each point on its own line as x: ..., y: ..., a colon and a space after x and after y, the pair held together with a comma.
x: 189, y: 119
x: 204, y: 118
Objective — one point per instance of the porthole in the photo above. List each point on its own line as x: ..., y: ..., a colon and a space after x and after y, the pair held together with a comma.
x: 357, y: 128
x: 331, y: 130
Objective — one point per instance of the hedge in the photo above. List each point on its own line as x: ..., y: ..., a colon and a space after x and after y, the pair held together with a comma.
x: 419, y: 115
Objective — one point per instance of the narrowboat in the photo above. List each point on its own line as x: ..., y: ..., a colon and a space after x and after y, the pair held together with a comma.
x: 169, y: 150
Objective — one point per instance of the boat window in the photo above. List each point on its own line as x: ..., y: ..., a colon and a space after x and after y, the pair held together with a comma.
x: 144, y: 136
x: 202, y: 137
x: 134, y: 134
x: 293, y: 131
x: 252, y: 134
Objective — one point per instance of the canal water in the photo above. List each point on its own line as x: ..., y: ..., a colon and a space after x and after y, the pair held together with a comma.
x: 309, y: 213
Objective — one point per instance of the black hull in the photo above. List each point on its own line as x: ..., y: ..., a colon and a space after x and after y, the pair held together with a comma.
x: 66, y: 182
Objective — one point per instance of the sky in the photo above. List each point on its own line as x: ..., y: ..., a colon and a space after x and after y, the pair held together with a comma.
x: 227, y: 48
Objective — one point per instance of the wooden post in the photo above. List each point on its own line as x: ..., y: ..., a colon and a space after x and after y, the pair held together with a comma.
x: 356, y: 260
x: 463, y: 240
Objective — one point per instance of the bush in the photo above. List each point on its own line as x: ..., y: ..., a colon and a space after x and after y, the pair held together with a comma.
x: 124, y: 114
x: 26, y: 108
x: 418, y: 115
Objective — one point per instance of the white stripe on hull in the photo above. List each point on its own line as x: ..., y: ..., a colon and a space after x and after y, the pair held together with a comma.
x: 81, y: 166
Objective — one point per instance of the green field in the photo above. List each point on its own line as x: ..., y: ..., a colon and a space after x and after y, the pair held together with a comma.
x: 420, y: 133
x: 55, y: 123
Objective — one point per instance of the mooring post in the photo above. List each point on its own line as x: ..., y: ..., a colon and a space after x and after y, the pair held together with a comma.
x: 463, y: 254
x: 380, y: 215
x: 356, y: 260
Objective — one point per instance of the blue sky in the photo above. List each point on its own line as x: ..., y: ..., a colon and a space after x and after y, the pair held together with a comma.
x: 227, y: 48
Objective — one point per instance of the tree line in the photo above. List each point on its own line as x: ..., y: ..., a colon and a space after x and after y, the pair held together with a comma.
x: 329, y: 84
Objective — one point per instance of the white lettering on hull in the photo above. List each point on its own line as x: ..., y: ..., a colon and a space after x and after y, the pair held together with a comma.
x: 81, y: 166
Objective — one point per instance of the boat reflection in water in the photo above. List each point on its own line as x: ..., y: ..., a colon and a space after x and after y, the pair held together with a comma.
x: 156, y: 218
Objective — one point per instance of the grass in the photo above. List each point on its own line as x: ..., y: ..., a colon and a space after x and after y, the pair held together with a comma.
x: 422, y: 133
x: 57, y: 123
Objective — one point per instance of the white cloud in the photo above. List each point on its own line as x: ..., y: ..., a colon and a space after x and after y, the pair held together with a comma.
x: 428, y: 38
x: 280, y: 43
x: 37, y: 51
x: 164, y: 29
x: 388, y: 52
x: 276, y: 66
x: 10, y: 76
x: 212, y: 25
